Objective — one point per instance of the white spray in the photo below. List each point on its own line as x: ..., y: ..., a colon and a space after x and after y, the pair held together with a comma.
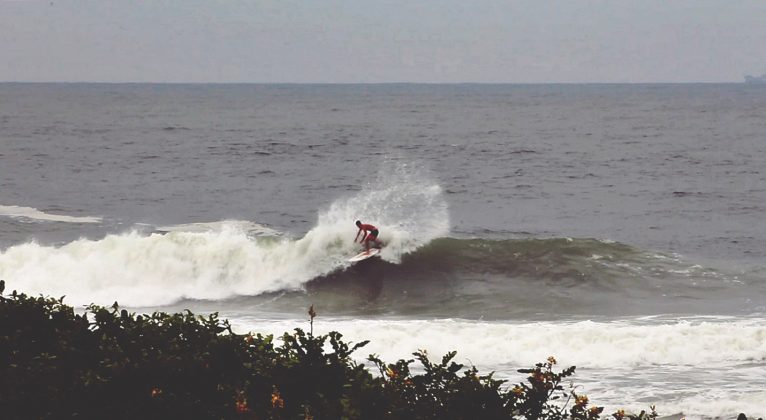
x: 149, y: 270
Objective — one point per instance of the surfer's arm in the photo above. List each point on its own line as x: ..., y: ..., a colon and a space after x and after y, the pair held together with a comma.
x: 357, y: 235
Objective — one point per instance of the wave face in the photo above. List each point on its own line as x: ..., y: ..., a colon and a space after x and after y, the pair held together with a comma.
x: 506, y: 279
x: 217, y: 261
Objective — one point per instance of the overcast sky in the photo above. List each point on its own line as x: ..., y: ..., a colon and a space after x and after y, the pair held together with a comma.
x: 329, y: 41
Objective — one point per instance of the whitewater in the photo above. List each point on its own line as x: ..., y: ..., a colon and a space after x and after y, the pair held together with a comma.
x: 217, y: 261
x: 617, y: 228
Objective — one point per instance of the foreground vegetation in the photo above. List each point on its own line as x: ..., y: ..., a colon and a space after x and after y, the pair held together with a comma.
x: 108, y: 363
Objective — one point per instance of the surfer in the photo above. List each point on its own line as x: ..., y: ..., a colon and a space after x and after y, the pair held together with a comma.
x: 372, y: 236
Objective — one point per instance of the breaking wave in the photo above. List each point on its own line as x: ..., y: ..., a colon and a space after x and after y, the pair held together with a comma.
x: 214, y: 261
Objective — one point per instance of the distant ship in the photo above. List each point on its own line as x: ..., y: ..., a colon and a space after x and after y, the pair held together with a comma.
x: 756, y: 79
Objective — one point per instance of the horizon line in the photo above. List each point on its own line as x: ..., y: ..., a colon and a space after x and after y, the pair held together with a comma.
x: 367, y: 83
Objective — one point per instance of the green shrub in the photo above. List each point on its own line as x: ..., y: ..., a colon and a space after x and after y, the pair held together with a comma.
x: 108, y: 363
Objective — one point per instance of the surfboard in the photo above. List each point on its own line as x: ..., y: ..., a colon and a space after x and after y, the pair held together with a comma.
x: 364, y: 255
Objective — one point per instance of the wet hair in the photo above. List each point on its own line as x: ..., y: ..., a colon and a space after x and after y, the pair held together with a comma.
x: 358, y: 223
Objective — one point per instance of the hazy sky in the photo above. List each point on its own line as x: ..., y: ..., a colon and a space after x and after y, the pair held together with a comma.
x: 530, y: 41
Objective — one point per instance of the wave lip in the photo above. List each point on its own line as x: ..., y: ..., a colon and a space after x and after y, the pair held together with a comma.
x: 35, y: 214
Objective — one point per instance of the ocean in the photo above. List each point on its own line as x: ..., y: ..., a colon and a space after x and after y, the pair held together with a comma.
x: 618, y: 228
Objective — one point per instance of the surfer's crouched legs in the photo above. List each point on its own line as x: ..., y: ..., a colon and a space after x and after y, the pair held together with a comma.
x: 372, y: 237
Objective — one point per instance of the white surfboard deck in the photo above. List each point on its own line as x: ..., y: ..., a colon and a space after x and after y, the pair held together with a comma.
x: 364, y: 255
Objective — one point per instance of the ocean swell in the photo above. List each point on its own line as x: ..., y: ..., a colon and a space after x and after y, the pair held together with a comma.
x: 513, y: 278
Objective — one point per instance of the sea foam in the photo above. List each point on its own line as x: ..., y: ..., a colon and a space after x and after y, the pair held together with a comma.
x: 687, y: 342
x: 223, y: 259
x: 35, y: 214
x: 621, y: 364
